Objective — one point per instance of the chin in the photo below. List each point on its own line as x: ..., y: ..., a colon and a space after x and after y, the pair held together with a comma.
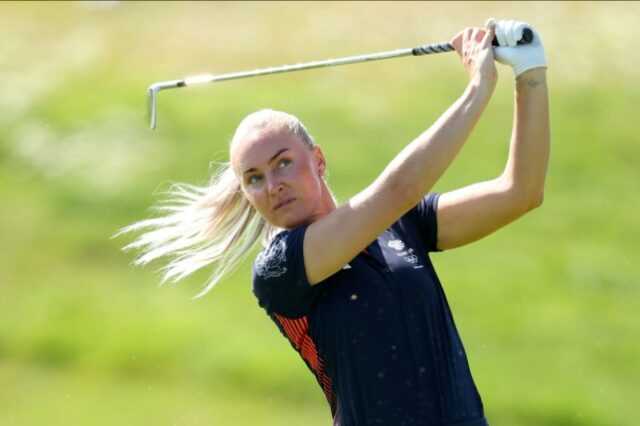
x: 290, y: 224
x: 293, y: 221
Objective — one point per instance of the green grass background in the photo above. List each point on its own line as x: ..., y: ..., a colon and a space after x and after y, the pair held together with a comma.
x: 548, y: 307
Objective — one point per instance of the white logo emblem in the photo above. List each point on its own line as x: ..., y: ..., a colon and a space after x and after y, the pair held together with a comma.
x: 405, y: 253
x: 396, y: 244
x: 272, y: 262
x: 412, y: 259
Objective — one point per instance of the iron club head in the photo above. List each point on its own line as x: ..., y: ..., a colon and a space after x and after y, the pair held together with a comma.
x: 152, y: 97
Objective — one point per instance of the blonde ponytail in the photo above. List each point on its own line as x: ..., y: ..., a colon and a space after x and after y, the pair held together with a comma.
x: 211, y: 225
x: 202, y: 226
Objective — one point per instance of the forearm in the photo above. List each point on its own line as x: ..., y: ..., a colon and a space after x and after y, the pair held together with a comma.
x: 421, y: 163
x: 526, y: 167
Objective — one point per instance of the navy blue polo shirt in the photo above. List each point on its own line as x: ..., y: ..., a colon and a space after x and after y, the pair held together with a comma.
x: 378, y: 334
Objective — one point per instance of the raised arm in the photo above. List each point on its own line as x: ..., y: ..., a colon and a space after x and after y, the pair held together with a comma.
x: 339, y: 236
x: 468, y: 214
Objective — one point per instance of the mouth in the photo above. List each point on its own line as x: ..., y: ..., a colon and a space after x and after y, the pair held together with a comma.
x: 284, y: 203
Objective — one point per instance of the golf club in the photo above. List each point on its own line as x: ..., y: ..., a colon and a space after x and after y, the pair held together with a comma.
x: 152, y: 92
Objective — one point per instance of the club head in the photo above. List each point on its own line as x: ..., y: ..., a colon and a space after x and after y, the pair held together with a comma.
x: 152, y: 97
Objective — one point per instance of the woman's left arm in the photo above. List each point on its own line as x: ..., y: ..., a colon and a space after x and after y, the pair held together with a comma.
x: 470, y: 213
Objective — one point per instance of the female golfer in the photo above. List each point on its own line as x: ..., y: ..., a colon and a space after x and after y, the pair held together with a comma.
x: 352, y: 286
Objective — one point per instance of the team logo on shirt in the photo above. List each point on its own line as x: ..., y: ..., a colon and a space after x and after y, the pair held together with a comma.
x: 396, y: 244
x: 272, y: 261
x: 407, y: 255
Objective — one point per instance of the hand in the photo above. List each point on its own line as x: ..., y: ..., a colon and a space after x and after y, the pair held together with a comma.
x: 519, y: 57
x: 474, y: 47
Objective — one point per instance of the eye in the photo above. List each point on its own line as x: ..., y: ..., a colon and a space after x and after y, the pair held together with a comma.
x: 283, y: 163
x: 253, y: 179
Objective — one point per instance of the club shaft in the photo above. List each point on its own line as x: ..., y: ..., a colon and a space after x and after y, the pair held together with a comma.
x: 153, y: 90
x: 322, y: 64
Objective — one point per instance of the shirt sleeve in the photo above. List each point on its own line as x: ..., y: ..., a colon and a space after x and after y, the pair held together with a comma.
x: 279, y: 277
x: 424, y: 216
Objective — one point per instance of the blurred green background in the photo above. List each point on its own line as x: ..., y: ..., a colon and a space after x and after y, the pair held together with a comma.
x: 548, y: 307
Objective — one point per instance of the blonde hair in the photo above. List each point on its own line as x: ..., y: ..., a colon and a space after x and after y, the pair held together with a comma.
x: 210, y: 225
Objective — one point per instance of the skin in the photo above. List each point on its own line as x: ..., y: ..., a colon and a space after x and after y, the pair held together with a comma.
x: 282, y: 177
x: 275, y: 167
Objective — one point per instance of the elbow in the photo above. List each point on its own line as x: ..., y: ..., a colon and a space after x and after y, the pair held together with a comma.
x: 536, y: 200
x: 530, y: 200
x: 523, y: 199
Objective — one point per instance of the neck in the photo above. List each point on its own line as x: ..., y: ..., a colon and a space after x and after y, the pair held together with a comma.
x: 329, y: 203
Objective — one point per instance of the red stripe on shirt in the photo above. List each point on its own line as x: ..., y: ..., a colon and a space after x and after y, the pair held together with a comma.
x: 297, y: 331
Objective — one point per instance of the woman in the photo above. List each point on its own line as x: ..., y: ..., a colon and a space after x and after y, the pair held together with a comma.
x: 352, y: 286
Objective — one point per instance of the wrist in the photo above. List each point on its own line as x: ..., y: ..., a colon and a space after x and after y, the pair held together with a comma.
x: 538, y: 73
x: 532, y: 78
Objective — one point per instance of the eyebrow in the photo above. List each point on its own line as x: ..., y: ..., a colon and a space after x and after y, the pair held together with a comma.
x: 253, y: 169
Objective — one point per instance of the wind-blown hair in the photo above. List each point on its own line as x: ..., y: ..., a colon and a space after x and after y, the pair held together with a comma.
x: 209, y: 225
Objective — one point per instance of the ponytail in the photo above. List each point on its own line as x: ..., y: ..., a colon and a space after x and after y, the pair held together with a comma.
x: 211, y: 225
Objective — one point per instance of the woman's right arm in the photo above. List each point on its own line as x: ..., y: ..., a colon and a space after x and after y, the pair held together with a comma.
x: 335, y: 239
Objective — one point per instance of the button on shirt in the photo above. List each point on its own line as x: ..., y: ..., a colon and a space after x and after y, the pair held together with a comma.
x: 378, y: 334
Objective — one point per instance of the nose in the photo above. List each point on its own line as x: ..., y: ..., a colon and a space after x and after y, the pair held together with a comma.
x: 274, y: 186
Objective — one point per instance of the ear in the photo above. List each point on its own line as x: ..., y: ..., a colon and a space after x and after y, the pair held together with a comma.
x: 321, y: 163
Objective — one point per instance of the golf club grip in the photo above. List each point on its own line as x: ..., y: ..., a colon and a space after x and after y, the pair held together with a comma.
x: 427, y: 49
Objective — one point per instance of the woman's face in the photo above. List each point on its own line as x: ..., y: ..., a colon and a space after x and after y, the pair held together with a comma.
x: 280, y: 176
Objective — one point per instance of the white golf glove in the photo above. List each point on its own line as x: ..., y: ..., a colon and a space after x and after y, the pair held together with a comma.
x: 521, y: 57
